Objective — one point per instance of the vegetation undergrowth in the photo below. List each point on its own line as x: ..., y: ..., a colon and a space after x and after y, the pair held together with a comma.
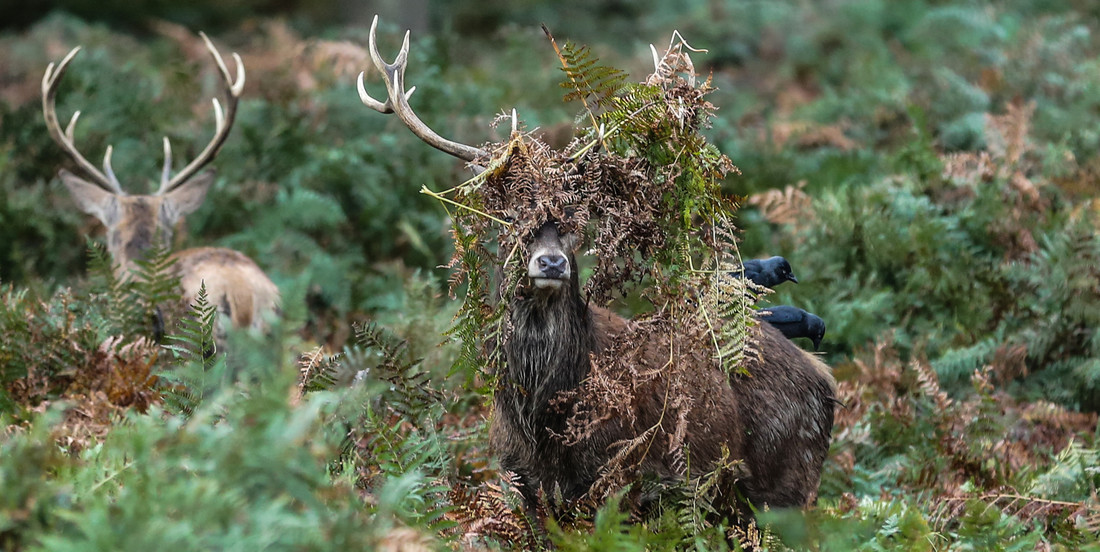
x: 930, y: 169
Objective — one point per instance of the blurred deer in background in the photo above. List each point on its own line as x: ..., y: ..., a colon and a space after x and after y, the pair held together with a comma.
x: 778, y: 419
x: 234, y: 283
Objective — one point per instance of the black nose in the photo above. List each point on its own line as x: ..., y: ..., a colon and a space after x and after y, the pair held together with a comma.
x: 552, y: 266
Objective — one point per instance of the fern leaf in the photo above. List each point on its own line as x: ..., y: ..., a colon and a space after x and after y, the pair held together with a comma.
x: 587, y: 79
x: 200, y: 370
x: 156, y: 278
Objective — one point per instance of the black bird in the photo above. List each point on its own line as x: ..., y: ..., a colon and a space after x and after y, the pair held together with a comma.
x: 768, y: 272
x: 794, y: 322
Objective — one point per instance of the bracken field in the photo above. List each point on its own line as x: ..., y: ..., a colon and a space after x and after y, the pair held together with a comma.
x: 931, y: 169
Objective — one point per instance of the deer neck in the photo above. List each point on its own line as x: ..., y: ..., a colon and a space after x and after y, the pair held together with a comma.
x: 547, y: 353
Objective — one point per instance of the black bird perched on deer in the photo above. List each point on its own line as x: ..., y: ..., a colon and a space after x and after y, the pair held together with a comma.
x: 794, y: 322
x: 768, y: 272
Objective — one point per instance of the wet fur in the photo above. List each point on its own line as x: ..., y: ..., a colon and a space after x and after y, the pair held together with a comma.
x: 778, y: 420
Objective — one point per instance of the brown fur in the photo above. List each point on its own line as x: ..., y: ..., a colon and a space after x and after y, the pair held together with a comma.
x: 778, y: 419
x: 233, y: 282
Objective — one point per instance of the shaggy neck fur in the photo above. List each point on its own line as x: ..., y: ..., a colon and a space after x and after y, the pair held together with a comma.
x: 548, y: 352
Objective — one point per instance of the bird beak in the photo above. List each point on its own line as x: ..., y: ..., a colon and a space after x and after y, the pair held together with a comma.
x: 792, y: 278
x: 817, y: 344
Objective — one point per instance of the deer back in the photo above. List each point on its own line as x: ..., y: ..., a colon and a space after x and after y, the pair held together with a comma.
x: 233, y: 282
x: 786, y: 402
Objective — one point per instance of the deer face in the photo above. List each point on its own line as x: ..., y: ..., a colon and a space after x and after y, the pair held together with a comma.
x: 552, y: 263
x: 135, y: 222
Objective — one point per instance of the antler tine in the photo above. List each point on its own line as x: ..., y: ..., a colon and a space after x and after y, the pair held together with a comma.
x: 108, y: 169
x: 393, y: 74
x: 381, y: 107
x: 166, y: 172
x: 50, y: 82
x: 223, y: 123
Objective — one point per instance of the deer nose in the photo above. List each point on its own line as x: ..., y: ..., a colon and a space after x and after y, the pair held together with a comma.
x: 552, y: 266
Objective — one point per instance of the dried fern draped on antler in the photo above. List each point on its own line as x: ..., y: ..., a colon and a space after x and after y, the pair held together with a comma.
x: 649, y: 199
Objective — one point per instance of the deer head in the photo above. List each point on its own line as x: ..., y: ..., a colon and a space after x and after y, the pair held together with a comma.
x: 134, y: 221
x: 552, y: 263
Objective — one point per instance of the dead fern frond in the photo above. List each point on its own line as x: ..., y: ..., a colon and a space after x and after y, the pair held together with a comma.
x: 621, y: 469
x: 491, y: 510
x: 1009, y: 139
x: 929, y: 385
x: 790, y: 205
x: 947, y: 510
x: 129, y: 370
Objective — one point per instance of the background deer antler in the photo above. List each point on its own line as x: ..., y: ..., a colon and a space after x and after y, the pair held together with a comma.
x: 223, y: 123
x: 50, y: 83
x: 106, y: 179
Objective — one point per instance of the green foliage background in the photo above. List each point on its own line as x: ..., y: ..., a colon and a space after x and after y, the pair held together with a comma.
x: 961, y: 291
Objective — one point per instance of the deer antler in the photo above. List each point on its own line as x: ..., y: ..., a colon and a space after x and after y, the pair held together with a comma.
x: 64, y: 138
x: 398, y: 101
x: 107, y: 179
x: 222, y: 123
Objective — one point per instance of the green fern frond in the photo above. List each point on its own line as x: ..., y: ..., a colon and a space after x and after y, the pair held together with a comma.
x: 156, y: 280
x: 101, y: 270
x: 479, y: 354
x: 635, y: 113
x: 124, y: 313
x: 587, y: 79
x: 956, y: 365
x: 319, y: 371
x: 135, y: 303
x: 200, y: 369
x: 411, y: 394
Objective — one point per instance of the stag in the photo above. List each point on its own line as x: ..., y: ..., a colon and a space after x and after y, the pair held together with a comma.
x: 135, y: 223
x: 777, y: 419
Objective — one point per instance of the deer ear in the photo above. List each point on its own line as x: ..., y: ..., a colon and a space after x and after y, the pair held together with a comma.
x: 186, y: 198
x: 571, y: 242
x: 91, y: 198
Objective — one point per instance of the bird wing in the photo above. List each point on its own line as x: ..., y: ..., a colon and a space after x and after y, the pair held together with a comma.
x: 753, y: 266
x: 780, y: 315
